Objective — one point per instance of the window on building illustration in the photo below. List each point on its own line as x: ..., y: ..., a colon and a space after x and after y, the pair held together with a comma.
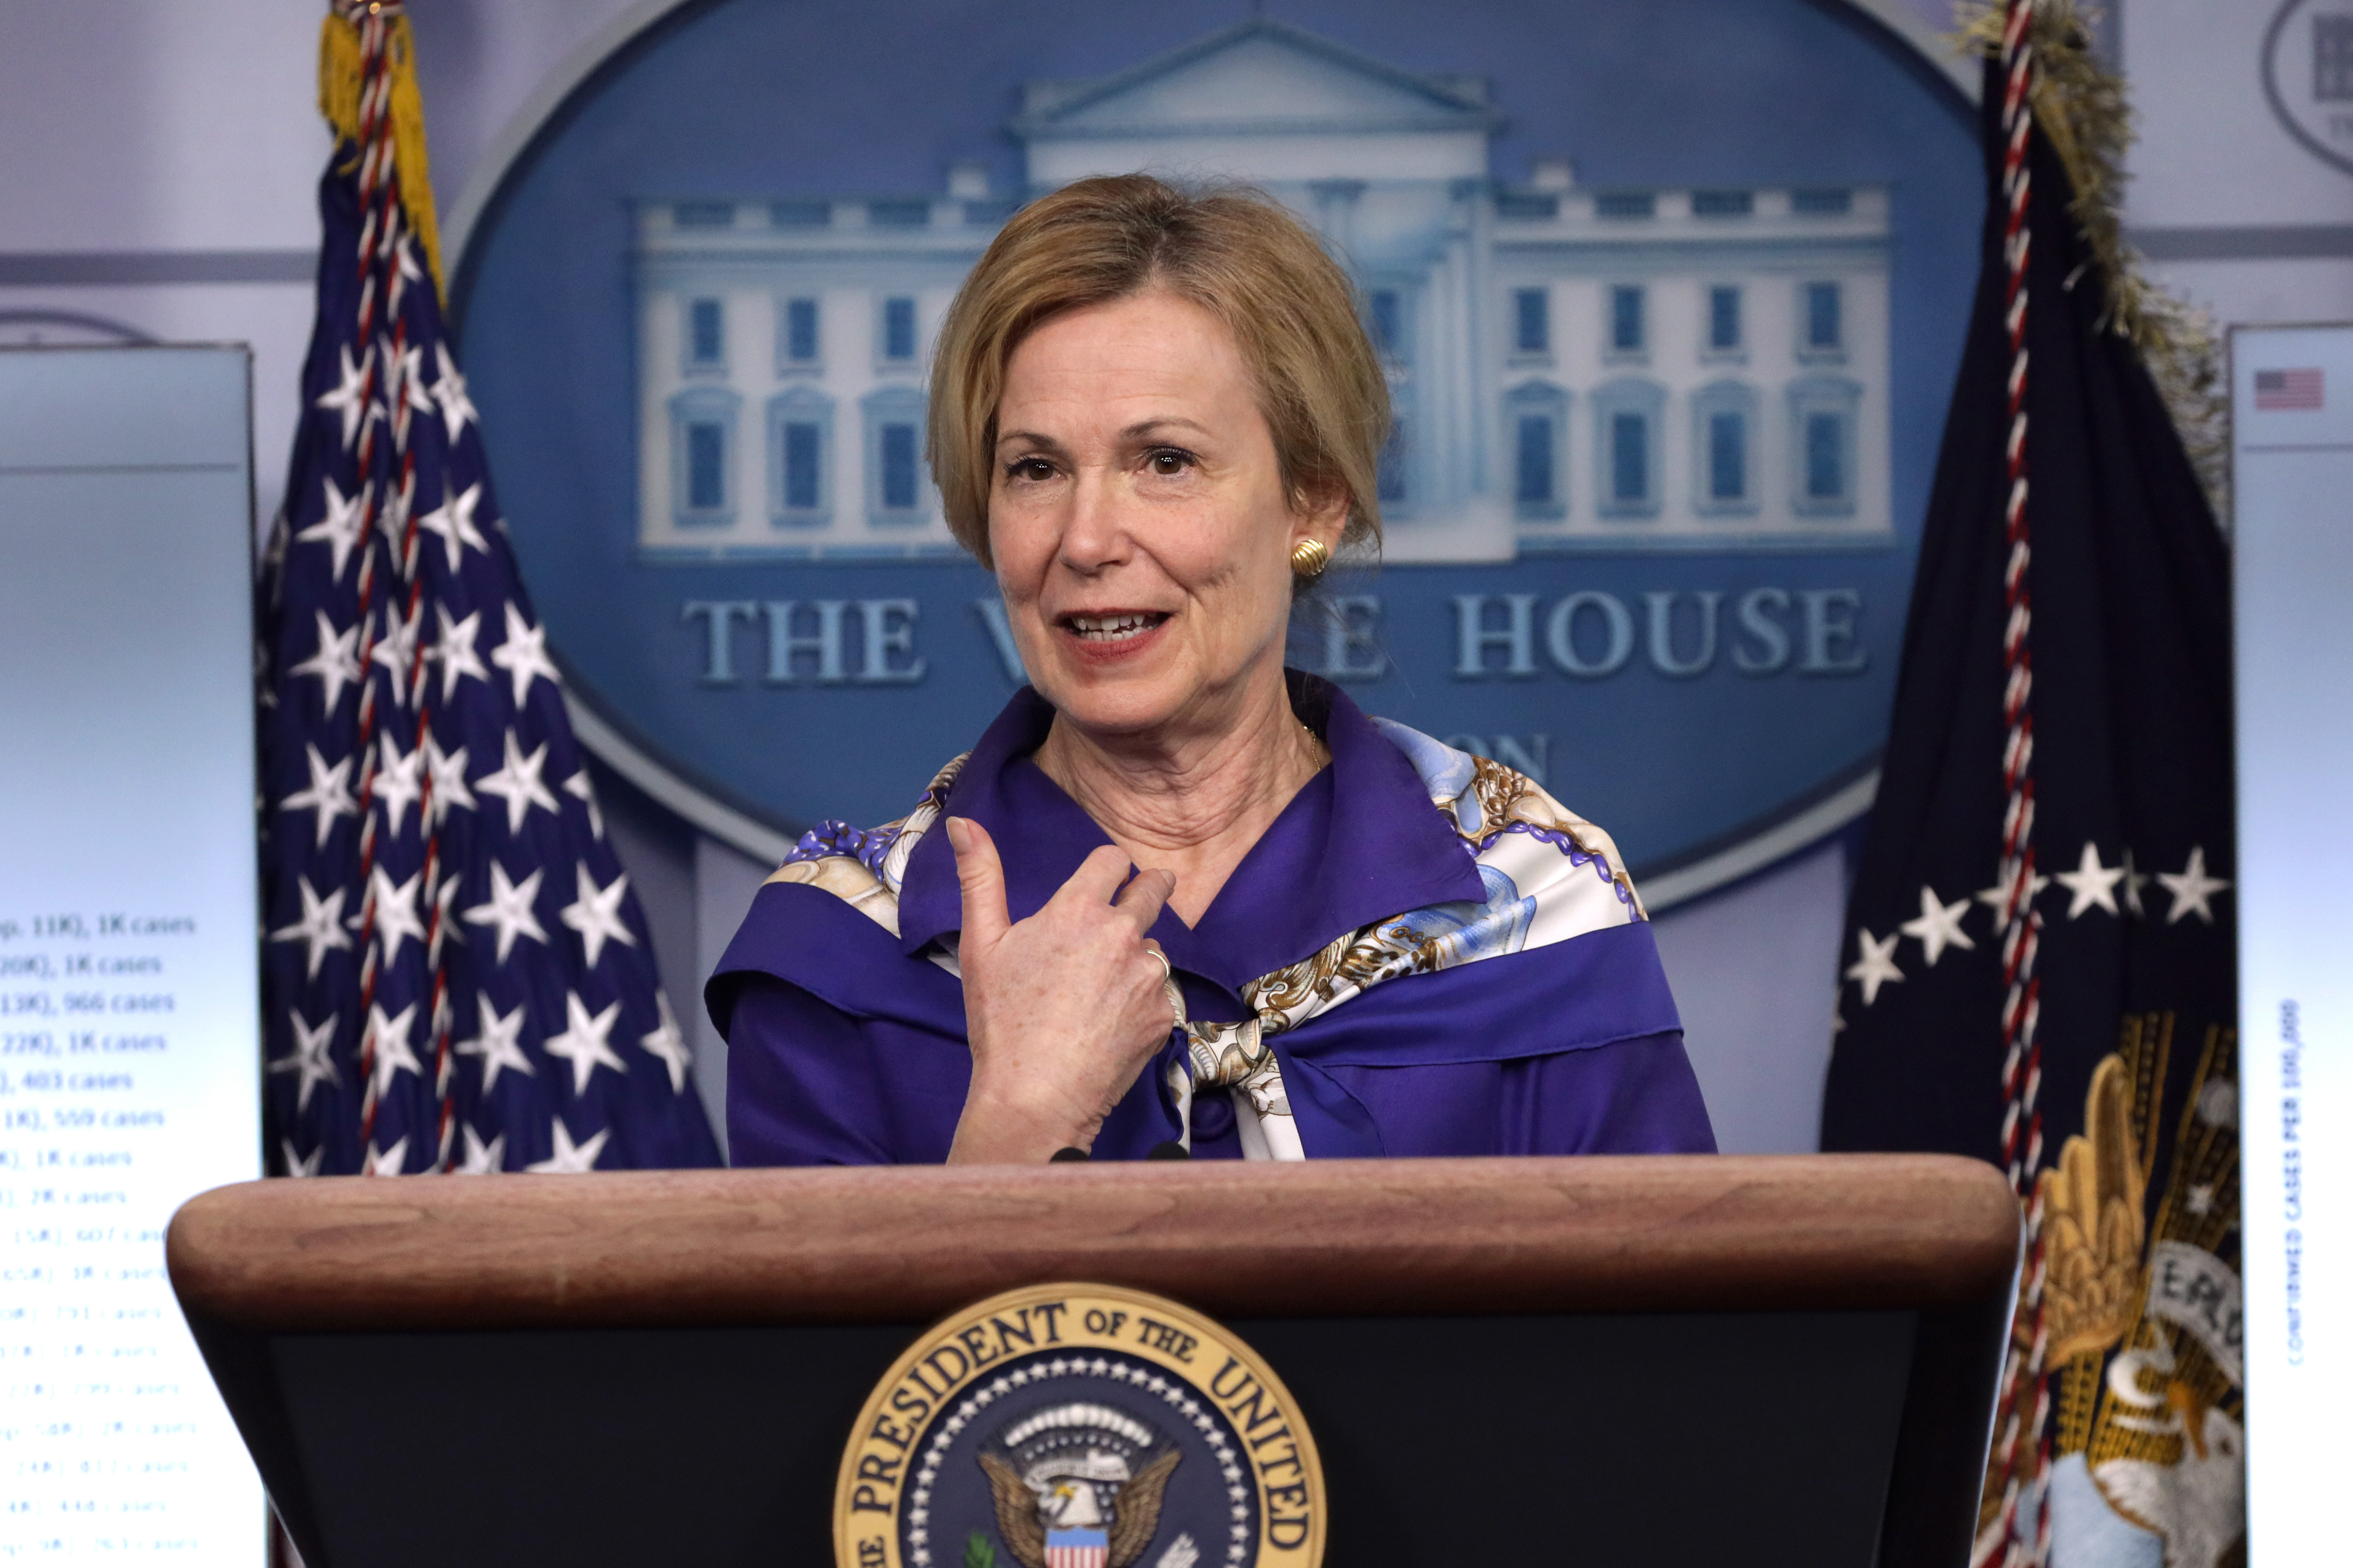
x: 701, y: 456
x: 1630, y: 458
x: 801, y: 442
x: 1625, y: 204
x: 801, y: 332
x: 1825, y: 464
x: 897, y: 487
x: 1823, y: 326
x: 1728, y: 457
x: 1537, y: 419
x: 706, y: 466
x: 1722, y: 204
x: 1388, y: 321
x: 1723, y: 320
x: 804, y: 450
x: 1534, y: 486
x: 1723, y: 428
x: 1531, y: 321
x: 1626, y: 415
x: 704, y: 215
x: 898, y: 468
x: 1821, y: 202
x: 1626, y: 323
x: 898, y: 328
x: 1527, y: 204
x: 1823, y: 410
x: 2332, y: 58
x: 1390, y: 482
x: 706, y: 333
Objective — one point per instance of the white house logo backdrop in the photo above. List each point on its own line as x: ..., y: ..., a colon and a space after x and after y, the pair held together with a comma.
x: 1669, y: 292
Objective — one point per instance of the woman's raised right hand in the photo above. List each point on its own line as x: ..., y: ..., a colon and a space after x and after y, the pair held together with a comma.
x: 1063, y: 1009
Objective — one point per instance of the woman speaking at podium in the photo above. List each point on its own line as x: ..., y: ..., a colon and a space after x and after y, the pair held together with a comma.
x: 1176, y: 894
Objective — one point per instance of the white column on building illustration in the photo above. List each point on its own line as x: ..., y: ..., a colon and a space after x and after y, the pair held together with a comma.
x: 1448, y: 447
x: 1482, y: 362
x: 1336, y: 212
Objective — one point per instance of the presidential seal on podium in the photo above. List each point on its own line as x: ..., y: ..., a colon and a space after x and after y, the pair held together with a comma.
x: 1080, y: 1426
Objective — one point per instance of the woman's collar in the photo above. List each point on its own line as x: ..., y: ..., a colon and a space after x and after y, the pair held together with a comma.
x: 1360, y: 842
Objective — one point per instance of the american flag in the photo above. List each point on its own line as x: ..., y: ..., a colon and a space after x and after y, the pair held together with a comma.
x: 2287, y: 389
x: 457, y: 976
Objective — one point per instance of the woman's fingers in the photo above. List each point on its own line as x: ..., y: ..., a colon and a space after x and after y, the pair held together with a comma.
x: 1143, y: 898
x: 1097, y: 878
x: 1104, y: 876
x: 981, y: 876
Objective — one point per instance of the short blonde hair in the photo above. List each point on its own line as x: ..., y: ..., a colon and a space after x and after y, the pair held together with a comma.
x: 1234, y: 251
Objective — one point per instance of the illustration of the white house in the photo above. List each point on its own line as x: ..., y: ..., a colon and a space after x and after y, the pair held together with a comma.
x: 1571, y: 367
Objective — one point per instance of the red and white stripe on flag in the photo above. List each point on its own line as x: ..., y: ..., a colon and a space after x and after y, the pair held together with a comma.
x: 1094, y: 1555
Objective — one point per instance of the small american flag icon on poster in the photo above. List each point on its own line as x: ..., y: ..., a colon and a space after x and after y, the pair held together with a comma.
x: 2287, y: 389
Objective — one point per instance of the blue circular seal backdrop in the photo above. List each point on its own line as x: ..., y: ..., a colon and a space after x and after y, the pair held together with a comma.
x: 1672, y: 292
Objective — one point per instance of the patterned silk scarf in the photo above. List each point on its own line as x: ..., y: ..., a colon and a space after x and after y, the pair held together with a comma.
x: 1549, y: 876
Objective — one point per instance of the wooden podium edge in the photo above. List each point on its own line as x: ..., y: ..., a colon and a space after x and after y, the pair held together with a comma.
x: 907, y: 1244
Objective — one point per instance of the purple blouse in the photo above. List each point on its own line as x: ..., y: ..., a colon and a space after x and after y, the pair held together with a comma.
x: 848, y: 1047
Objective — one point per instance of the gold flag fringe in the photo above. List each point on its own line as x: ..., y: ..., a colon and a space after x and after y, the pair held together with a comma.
x: 2082, y: 109
x: 339, y: 100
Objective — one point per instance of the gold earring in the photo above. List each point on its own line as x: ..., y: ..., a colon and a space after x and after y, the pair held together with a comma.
x: 1309, y: 557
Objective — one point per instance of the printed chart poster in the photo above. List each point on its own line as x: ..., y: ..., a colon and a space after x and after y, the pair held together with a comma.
x: 130, y: 1034
x: 1670, y: 291
x: 2291, y: 463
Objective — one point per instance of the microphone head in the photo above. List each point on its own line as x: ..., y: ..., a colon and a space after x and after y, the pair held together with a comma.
x: 1172, y: 1150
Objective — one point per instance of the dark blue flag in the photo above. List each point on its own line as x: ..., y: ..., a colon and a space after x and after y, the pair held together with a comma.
x: 2040, y: 959
x: 456, y: 974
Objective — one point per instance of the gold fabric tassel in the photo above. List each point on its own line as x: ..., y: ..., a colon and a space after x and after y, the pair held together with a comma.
x: 2082, y: 109
x: 339, y: 100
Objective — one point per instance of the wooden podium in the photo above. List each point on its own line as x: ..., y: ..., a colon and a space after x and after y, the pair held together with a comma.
x: 1622, y: 1362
